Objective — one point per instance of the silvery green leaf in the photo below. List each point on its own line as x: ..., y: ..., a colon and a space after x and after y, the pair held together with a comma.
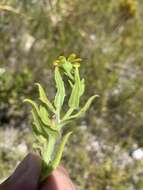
x: 85, y: 107
x: 65, y: 122
x: 82, y: 87
x: 38, y: 136
x: 60, y: 95
x: 48, y: 149
x: 58, y: 155
x: 46, y: 129
x: 75, y: 94
x: 36, y: 129
x: 71, y: 84
x: 44, y: 115
x: 68, y: 113
x: 35, y: 110
x: 33, y: 104
x: 47, y: 169
x: 43, y: 98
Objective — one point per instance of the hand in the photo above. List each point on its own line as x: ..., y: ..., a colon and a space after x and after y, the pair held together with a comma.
x: 26, y: 177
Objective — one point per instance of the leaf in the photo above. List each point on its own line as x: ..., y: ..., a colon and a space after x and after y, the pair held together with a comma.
x: 38, y: 136
x: 58, y: 155
x: 48, y: 149
x: 63, y: 123
x: 75, y: 94
x: 44, y: 115
x: 43, y: 98
x: 82, y: 87
x: 85, y: 107
x: 36, y: 129
x: 60, y: 95
x: 35, y: 111
x: 47, y: 169
x: 33, y: 104
x: 45, y: 129
x: 68, y: 113
x: 71, y: 84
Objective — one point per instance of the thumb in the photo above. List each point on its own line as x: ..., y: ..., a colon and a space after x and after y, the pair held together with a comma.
x: 26, y: 175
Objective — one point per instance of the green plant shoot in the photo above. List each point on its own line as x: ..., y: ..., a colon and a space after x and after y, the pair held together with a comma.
x: 48, y: 117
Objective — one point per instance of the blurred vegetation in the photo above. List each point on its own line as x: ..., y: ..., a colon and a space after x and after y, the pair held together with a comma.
x: 108, y: 36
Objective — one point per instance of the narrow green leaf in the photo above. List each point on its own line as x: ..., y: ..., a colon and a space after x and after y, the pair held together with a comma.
x: 82, y: 87
x: 46, y: 129
x: 38, y: 135
x: 68, y: 113
x: 75, y: 94
x: 71, y: 84
x: 65, y: 122
x: 35, y: 111
x: 47, y: 169
x: 43, y: 98
x: 36, y: 129
x: 85, y: 107
x: 48, y: 149
x: 44, y: 115
x: 58, y: 156
x: 60, y: 95
x: 33, y: 104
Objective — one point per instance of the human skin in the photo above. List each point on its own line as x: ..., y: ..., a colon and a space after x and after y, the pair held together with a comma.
x: 26, y: 177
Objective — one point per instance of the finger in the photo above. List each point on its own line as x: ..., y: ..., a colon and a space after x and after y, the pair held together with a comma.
x: 26, y: 175
x: 58, y: 180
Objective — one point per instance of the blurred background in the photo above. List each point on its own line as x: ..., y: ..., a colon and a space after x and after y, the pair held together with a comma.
x: 106, y: 149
